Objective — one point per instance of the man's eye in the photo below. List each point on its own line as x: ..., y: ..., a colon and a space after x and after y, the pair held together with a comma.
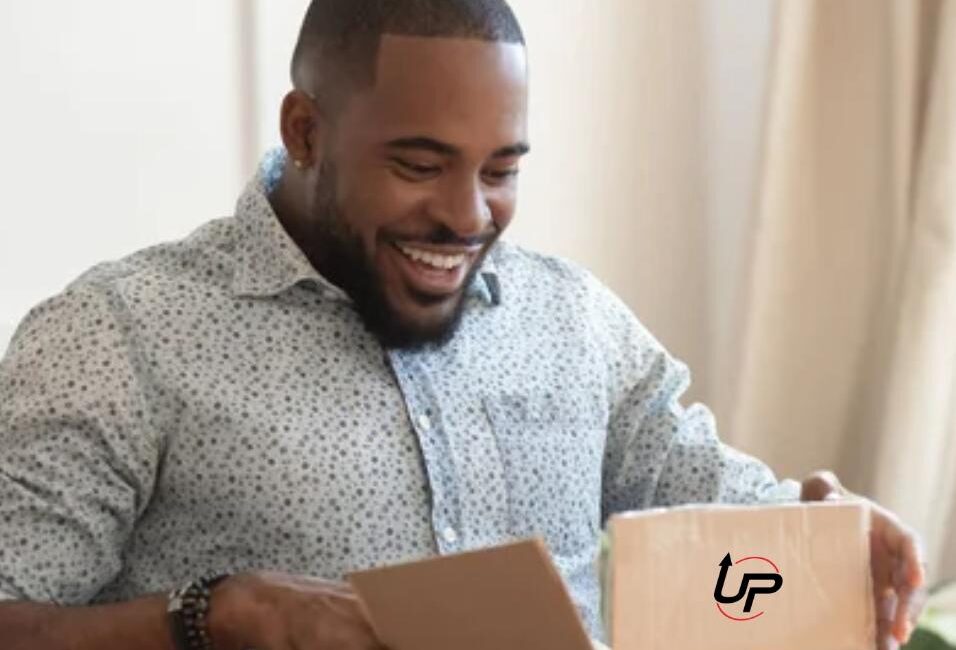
x: 415, y: 169
x: 501, y: 175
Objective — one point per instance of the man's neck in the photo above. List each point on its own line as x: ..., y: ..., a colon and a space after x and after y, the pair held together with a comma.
x: 289, y: 206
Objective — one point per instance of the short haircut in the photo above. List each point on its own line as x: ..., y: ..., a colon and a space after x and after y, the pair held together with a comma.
x: 339, y: 40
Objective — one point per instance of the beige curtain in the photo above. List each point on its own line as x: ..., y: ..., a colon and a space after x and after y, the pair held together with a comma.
x: 850, y: 341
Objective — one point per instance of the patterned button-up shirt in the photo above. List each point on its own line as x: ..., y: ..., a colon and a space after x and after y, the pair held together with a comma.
x: 215, y: 405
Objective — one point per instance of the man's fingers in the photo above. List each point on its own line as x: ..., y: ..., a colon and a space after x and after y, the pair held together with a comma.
x: 902, y: 624
x: 903, y: 544
x: 886, y: 607
x: 911, y: 553
x: 901, y: 607
x: 887, y: 642
x: 910, y: 604
x: 882, y: 563
x: 346, y: 605
x: 885, y: 615
x: 897, y: 564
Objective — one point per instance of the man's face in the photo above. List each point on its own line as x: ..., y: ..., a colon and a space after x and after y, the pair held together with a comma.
x: 418, y: 179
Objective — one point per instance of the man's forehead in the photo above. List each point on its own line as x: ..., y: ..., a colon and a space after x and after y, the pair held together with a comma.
x: 453, y: 89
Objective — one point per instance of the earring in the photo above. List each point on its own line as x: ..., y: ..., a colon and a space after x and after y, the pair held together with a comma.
x: 299, y: 164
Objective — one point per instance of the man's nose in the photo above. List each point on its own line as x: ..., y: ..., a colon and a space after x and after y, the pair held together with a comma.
x: 464, y: 208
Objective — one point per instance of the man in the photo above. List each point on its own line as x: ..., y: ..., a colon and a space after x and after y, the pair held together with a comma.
x: 351, y: 371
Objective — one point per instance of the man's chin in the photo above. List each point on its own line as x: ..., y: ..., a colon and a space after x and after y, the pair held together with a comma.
x: 401, y: 316
x: 423, y: 320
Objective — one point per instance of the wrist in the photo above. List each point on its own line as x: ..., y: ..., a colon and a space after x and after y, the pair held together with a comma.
x: 229, y: 615
x: 188, y: 611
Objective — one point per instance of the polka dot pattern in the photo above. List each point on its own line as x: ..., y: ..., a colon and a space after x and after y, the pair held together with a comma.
x: 214, y: 405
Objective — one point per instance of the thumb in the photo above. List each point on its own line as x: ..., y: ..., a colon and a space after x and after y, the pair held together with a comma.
x: 821, y: 486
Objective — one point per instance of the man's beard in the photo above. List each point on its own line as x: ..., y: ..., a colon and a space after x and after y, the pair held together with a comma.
x: 341, y: 258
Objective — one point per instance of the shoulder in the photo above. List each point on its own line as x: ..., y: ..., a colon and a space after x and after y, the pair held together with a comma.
x: 562, y: 290
x: 530, y: 275
x: 524, y: 269
x: 107, y: 294
x: 210, y: 246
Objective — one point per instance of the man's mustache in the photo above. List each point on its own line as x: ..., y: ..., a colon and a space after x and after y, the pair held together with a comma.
x: 447, y: 237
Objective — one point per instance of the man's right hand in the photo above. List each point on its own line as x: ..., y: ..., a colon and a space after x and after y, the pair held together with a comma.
x: 277, y: 611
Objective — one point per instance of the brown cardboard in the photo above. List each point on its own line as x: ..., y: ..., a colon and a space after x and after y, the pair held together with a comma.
x: 504, y: 598
x: 665, y: 567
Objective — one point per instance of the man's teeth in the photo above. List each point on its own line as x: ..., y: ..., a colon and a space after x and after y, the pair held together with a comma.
x: 445, y: 262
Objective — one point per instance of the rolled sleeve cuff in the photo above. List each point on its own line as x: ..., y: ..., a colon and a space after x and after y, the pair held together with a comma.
x: 785, y: 491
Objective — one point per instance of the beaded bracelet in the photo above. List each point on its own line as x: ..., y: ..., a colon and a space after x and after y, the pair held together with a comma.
x: 188, y: 611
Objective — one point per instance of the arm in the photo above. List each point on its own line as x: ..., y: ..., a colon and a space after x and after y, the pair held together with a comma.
x: 659, y: 453
x: 138, y: 624
x: 662, y: 454
x: 77, y: 461
x: 79, y: 452
x: 263, y: 610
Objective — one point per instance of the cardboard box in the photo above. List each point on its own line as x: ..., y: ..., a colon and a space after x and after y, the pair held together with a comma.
x: 789, y: 577
x: 504, y: 598
x: 677, y: 583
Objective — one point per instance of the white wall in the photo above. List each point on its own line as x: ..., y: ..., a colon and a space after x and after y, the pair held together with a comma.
x: 120, y: 128
x: 6, y: 332
x: 277, y: 27
x: 126, y: 123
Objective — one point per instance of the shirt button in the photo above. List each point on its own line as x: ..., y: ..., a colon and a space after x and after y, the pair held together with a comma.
x: 450, y: 535
x: 424, y: 422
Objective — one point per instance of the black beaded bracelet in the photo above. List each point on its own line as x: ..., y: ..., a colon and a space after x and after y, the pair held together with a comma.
x: 188, y: 611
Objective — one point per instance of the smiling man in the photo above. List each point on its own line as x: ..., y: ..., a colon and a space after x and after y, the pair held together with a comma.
x: 353, y: 370
x: 406, y: 169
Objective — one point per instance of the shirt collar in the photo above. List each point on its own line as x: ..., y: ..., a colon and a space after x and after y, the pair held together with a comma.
x: 269, y: 262
x: 486, y: 285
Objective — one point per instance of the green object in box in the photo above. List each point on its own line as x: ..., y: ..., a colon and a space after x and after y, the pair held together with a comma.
x: 937, y: 626
x: 925, y: 640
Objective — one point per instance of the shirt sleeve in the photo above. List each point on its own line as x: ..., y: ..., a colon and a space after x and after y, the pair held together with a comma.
x: 659, y: 453
x: 77, y: 451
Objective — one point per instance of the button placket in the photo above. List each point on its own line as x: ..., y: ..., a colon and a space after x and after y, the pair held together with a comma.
x: 435, y: 450
x: 424, y: 423
x: 450, y: 535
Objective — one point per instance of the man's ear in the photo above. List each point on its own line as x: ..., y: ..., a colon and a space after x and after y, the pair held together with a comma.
x: 301, y: 129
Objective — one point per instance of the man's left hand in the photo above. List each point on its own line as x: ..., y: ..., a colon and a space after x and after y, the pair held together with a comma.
x: 895, y: 560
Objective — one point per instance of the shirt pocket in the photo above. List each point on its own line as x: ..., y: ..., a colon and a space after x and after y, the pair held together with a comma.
x: 551, y: 456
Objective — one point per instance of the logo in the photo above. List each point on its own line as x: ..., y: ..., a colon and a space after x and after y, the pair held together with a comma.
x: 751, y: 585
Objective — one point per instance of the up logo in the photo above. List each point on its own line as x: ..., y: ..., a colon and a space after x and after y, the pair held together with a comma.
x: 751, y: 585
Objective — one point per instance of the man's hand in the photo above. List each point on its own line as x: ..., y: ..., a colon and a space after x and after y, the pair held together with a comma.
x: 275, y: 611
x: 895, y: 561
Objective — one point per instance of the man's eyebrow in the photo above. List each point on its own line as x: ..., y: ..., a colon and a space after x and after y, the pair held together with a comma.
x: 445, y: 149
x: 513, y: 151
x: 423, y: 144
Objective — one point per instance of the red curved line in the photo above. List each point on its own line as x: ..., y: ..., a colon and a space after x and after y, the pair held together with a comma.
x: 734, y: 618
x: 757, y: 557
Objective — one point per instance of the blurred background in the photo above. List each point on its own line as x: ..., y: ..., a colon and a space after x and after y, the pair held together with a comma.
x: 770, y: 185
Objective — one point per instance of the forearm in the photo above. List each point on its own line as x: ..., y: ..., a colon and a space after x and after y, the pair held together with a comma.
x: 135, y: 625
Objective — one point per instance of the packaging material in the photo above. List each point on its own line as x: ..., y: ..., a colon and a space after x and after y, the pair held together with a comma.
x: 506, y: 598
x: 787, y: 577
x: 936, y: 629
